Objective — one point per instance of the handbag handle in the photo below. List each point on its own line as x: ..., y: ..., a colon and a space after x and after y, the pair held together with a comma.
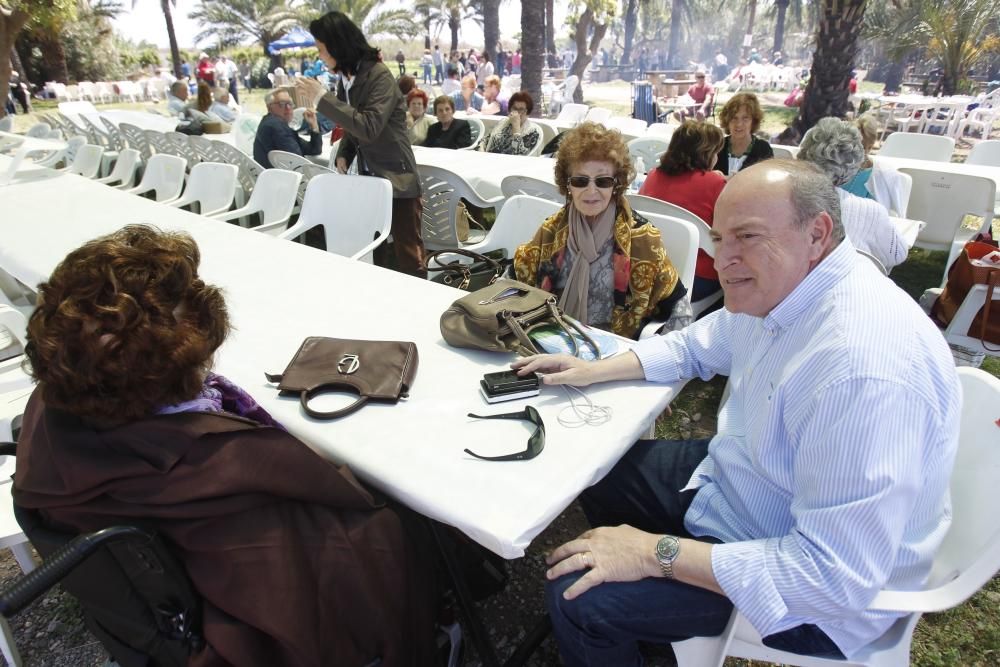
x: 522, y: 334
x: 465, y: 269
x: 991, y: 284
x: 309, y: 394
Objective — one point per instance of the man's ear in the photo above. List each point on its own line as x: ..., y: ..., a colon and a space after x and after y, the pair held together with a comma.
x: 820, y: 235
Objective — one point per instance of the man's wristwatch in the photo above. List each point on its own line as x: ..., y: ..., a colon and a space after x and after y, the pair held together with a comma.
x: 667, y: 550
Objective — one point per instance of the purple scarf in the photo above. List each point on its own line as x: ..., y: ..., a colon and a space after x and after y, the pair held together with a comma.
x: 219, y: 394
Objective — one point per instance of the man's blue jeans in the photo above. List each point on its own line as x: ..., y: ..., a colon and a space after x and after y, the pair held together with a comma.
x: 604, y: 625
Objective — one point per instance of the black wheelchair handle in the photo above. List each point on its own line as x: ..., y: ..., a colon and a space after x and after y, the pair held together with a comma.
x: 24, y: 590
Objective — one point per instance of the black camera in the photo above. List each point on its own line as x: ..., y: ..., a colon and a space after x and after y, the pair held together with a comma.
x: 508, y: 386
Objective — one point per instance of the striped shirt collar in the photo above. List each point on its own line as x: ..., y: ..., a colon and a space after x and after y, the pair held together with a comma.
x: 824, y: 276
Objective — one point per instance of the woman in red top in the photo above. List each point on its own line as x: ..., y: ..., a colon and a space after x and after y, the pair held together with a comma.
x: 685, y: 178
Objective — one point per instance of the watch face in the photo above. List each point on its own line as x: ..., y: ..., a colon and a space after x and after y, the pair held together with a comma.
x: 667, y: 548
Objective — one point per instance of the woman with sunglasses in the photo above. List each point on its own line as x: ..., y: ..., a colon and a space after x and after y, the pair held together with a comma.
x: 605, y: 262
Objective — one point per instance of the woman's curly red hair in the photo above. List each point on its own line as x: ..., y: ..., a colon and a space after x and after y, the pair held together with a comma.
x: 124, y: 326
x: 591, y: 141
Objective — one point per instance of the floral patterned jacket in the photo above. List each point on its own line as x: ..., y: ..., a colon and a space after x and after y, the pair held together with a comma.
x: 646, y: 283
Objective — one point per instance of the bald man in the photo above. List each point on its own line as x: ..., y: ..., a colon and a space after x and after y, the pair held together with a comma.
x: 828, y: 478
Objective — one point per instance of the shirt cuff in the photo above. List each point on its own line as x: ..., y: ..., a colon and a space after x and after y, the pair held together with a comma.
x: 658, y: 364
x: 740, y: 568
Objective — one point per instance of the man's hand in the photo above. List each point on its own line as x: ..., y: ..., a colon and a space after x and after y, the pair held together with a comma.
x: 566, y: 369
x: 558, y: 369
x: 341, y: 164
x: 622, y: 553
x: 308, y: 89
x: 309, y: 115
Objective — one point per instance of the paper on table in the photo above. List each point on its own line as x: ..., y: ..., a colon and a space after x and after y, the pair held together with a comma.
x: 554, y: 340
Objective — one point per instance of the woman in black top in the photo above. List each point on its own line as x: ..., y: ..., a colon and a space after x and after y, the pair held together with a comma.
x: 448, y: 132
x: 741, y: 118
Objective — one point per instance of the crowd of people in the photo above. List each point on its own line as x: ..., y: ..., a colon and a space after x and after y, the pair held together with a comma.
x: 809, y: 336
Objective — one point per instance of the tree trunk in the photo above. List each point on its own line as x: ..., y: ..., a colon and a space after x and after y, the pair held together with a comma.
x: 11, y: 22
x: 836, y: 45
x: 631, y: 18
x: 550, y: 26
x: 454, y: 23
x: 532, y: 47
x: 894, y: 75
x: 779, y: 26
x: 175, y: 52
x: 675, y: 33
x: 749, y: 31
x: 491, y: 28
x: 585, y: 52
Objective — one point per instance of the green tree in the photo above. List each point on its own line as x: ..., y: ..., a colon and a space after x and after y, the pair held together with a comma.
x: 836, y: 45
x: 234, y: 21
x: 589, y: 21
x: 959, y: 34
x: 367, y: 14
x: 532, y: 48
x: 14, y: 16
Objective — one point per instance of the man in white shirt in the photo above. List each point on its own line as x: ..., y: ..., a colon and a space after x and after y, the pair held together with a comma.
x: 828, y: 478
x: 221, y: 107
x: 229, y: 70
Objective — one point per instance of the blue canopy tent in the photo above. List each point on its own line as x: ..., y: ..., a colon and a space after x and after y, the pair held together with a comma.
x: 296, y: 38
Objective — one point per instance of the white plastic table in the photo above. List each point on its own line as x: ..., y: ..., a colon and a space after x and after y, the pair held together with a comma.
x: 22, y: 145
x: 485, y: 171
x: 412, y: 450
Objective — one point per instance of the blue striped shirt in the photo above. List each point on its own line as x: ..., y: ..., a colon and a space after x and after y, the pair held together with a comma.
x: 828, y: 478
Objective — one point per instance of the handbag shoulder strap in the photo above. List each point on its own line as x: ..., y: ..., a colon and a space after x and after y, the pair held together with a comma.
x: 992, y: 283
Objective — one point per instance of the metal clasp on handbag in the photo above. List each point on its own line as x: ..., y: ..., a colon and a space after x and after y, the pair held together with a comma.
x: 348, y: 364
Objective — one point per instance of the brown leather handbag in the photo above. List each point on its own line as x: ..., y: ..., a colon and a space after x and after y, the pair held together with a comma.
x: 376, y: 370
x: 962, y: 275
x: 500, y: 317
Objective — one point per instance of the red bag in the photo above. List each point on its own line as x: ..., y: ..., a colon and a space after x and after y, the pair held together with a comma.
x: 962, y: 275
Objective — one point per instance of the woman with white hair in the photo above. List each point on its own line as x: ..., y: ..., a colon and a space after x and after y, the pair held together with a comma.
x: 220, y: 107
x: 885, y: 185
x: 834, y: 146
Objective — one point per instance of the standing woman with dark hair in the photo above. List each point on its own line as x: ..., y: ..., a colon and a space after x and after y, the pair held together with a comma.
x: 372, y: 111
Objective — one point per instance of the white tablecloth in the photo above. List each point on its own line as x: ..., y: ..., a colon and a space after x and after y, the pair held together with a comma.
x: 280, y: 292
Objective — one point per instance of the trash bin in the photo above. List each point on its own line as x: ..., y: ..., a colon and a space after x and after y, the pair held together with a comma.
x: 643, y: 104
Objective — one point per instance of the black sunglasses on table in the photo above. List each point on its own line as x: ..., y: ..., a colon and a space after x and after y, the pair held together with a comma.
x: 536, y: 443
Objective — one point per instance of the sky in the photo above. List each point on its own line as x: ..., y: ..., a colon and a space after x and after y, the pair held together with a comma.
x: 145, y: 21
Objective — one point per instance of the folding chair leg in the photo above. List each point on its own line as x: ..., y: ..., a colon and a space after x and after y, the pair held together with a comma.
x: 24, y: 557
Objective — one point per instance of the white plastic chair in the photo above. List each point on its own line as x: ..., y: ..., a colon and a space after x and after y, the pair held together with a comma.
x: 353, y: 236
x: 442, y: 190
x: 66, y: 155
x: 598, y: 115
x: 571, y: 114
x: 650, y: 205
x: 660, y: 130
x: 563, y: 94
x: 783, y: 152
x: 478, y: 133
x: 650, y: 149
x: 534, y: 187
x: 123, y: 175
x: 245, y: 131
x: 968, y: 558
x: 7, y: 124
x: 942, y: 200
x: 986, y: 153
x: 981, y: 118
x: 286, y: 160
x: 516, y: 223
x: 164, y: 176
x: 273, y: 198
x: 903, y: 117
x: 87, y: 161
x: 957, y: 332
x: 549, y: 133
x: 38, y: 130
x: 212, y: 186
x: 680, y: 240
x: 918, y: 147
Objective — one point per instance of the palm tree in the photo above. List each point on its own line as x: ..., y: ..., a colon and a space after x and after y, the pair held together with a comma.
x: 175, y: 53
x: 959, y: 34
x: 401, y: 23
x: 11, y: 22
x: 836, y: 45
x: 532, y: 48
x: 233, y: 21
x: 491, y: 27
